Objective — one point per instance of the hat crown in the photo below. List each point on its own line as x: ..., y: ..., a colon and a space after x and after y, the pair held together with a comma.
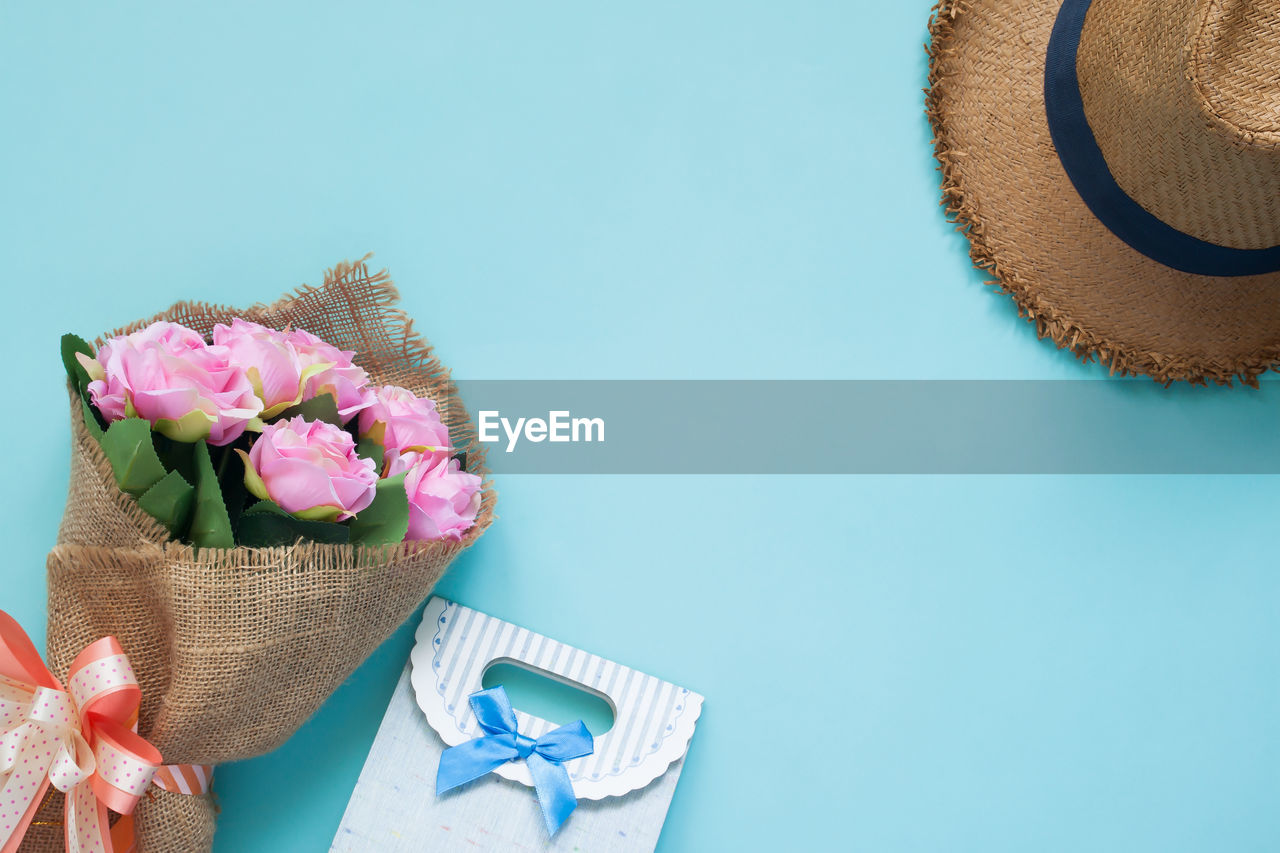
x: 1235, y: 66
x: 1183, y: 100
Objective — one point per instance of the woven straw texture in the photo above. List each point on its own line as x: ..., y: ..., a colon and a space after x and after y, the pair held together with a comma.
x: 235, y: 649
x: 1007, y: 192
x: 1236, y: 64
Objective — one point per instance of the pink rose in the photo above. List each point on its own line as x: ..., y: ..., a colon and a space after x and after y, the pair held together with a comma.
x: 309, y: 468
x: 289, y: 367
x: 167, y: 374
x: 272, y: 364
x: 400, y: 421
x: 443, y: 499
x: 340, y: 378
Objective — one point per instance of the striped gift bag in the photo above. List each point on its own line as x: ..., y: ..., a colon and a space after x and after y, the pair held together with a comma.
x: 623, y: 787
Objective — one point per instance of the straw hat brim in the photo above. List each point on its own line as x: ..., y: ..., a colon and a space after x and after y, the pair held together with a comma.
x: 1080, y: 285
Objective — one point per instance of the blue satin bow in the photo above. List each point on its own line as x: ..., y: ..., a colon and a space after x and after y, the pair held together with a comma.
x: 545, y: 756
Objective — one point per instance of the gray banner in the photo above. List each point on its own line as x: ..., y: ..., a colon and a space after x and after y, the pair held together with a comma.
x: 874, y: 427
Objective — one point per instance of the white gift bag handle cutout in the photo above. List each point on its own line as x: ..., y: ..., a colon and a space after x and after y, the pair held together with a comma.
x: 549, y: 696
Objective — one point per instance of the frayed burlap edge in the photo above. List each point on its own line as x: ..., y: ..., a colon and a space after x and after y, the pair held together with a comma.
x: 1050, y: 323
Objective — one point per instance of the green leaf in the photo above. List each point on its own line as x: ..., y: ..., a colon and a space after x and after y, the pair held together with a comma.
x: 80, y: 379
x: 266, y: 525
x: 91, y: 420
x: 176, y: 455
x: 370, y: 449
x: 386, y: 520
x: 169, y: 502
x: 127, y: 444
x: 72, y: 344
x: 210, y: 527
x: 319, y: 408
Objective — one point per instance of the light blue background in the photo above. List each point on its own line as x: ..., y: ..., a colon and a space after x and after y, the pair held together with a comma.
x: 664, y: 190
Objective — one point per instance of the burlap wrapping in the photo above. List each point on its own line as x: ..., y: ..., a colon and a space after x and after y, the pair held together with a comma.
x: 235, y: 649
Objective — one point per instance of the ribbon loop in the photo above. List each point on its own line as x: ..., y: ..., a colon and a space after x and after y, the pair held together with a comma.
x: 52, y: 709
x: 73, y: 764
x: 493, y: 711
x: 125, y: 765
x: 544, y: 757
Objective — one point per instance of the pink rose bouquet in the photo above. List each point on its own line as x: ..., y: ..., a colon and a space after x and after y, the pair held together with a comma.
x: 252, y: 510
x: 262, y: 436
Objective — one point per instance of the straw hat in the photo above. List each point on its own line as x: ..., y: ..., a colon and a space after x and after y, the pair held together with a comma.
x: 1115, y: 165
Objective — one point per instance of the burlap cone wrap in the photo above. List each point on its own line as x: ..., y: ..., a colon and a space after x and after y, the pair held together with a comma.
x: 235, y: 649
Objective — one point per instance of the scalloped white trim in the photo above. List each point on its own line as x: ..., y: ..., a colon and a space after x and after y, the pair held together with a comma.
x: 671, y: 748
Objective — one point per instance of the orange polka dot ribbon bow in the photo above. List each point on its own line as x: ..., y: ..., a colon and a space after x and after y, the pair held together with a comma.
x: 79, y: 739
